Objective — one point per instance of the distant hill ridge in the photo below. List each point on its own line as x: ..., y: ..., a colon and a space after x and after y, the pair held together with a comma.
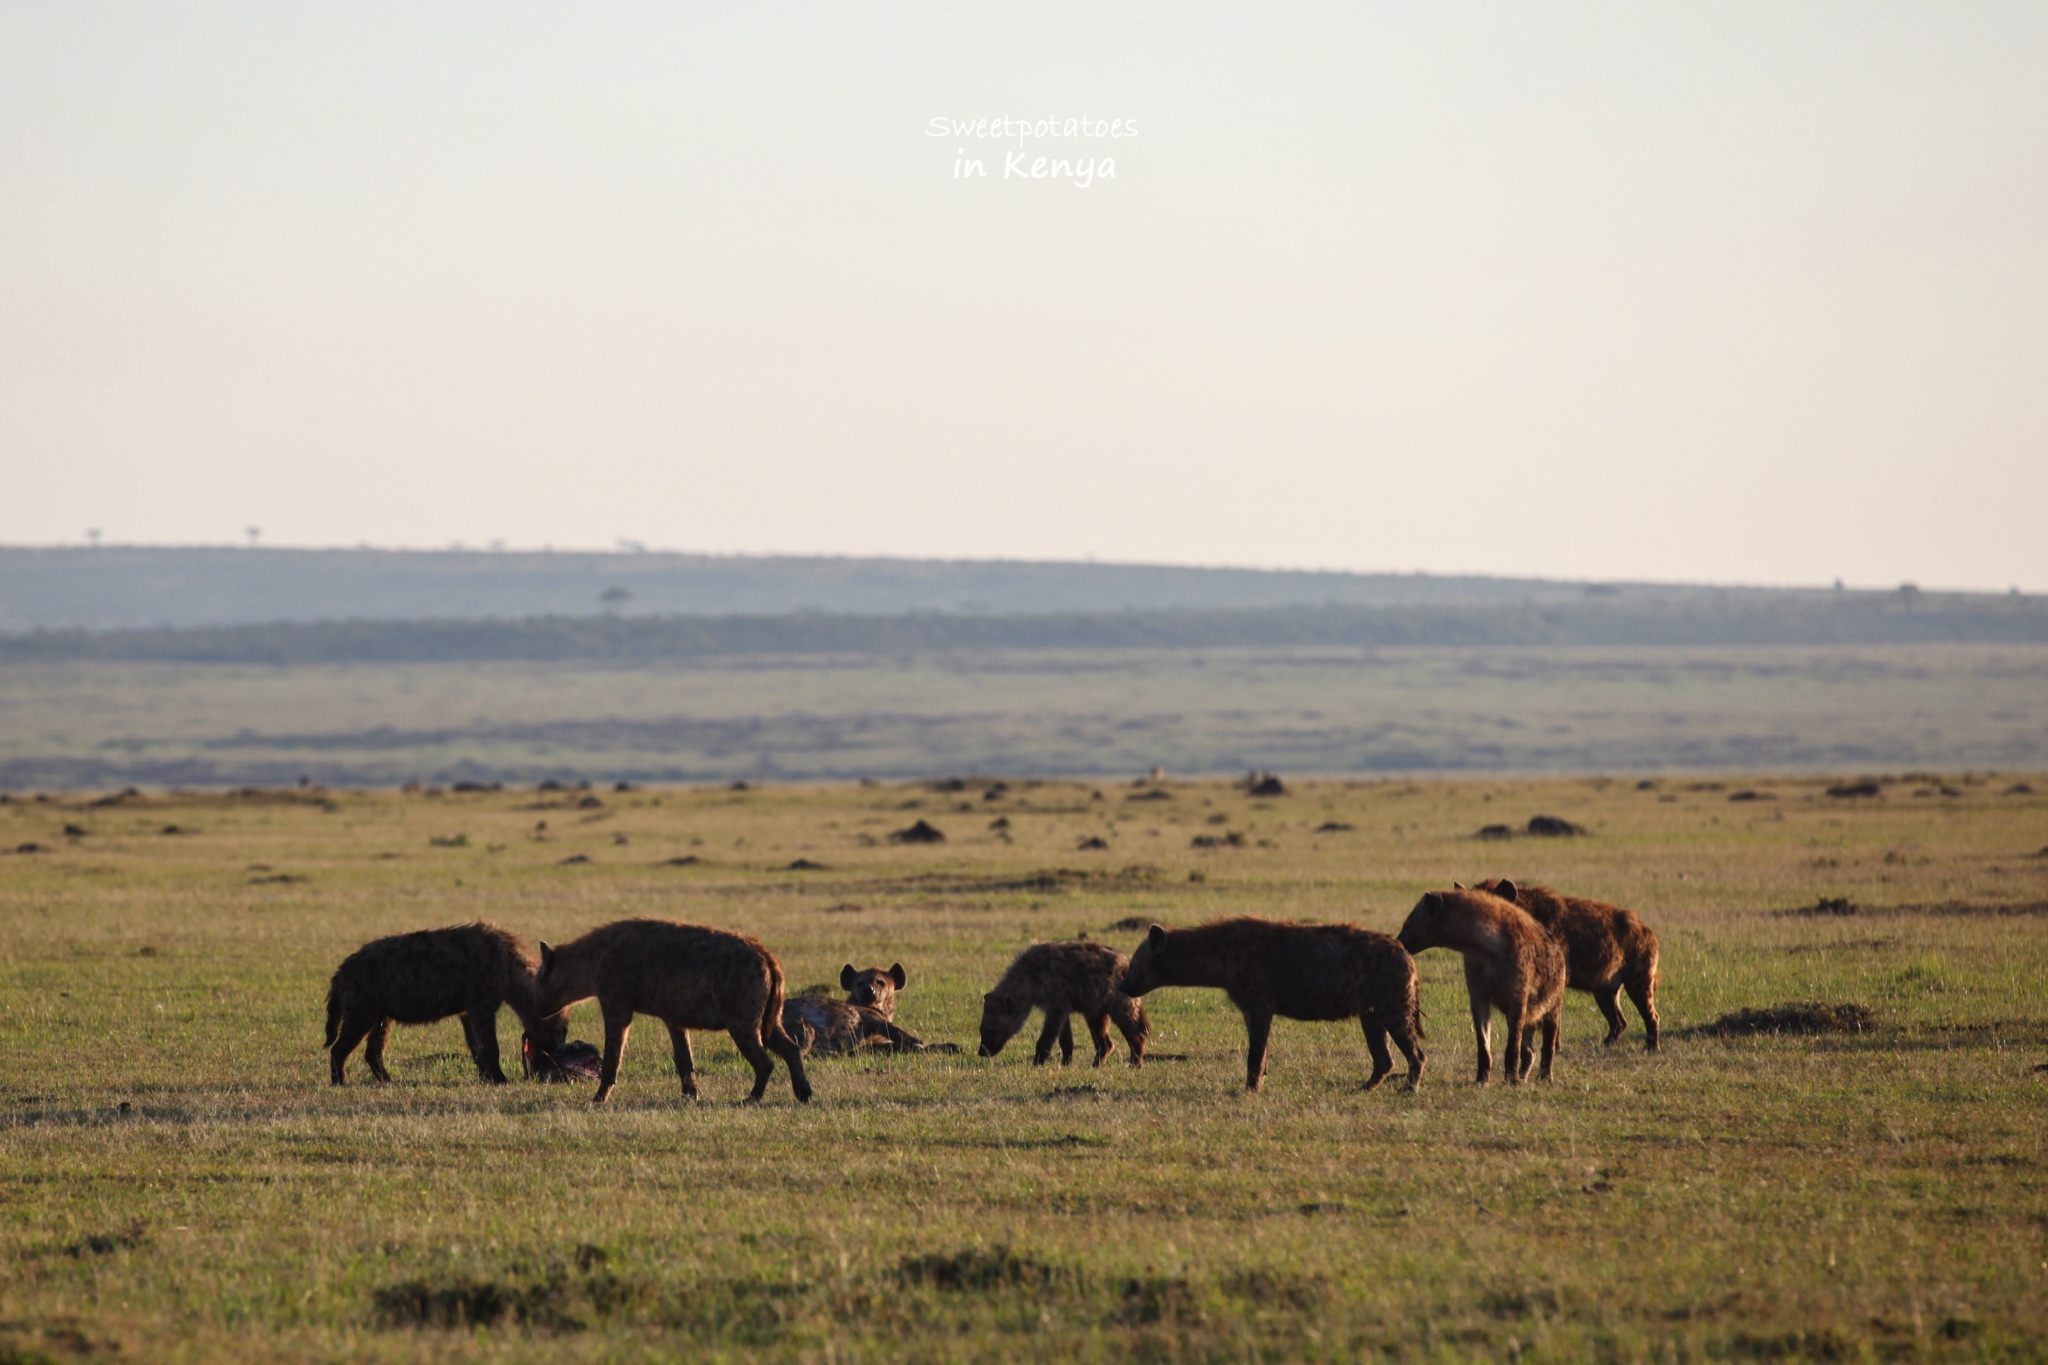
x: 1733, y: 619
x: 127, y: 587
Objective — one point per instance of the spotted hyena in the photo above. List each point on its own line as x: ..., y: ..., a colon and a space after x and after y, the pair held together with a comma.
x: 686, y: 975
x: 1062, y: 979
x: 1294, y: 971
x: 1607, y: 949
x: 864, y: 1021
x: 1512, y: 964
x: 419, y: 978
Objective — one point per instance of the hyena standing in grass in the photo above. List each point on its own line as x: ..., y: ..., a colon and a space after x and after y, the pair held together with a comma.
x: 1296, y: 971
x: 420, y: 978
x: 685, y: 975
x: 1063, y: 979
x: 1512, y: 963
x: 864, y: 1021
x: 1607, y: 950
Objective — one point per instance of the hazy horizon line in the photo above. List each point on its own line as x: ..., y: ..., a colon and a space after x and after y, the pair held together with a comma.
x: 628, y: 549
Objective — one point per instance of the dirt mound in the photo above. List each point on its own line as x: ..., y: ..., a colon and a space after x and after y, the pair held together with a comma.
x: 805, y: 865
x: 1092, y: 843
x: 1827, y: 905
x: 1554, y: 827
x: 1333, y: 827
x: 1267, y: 785
x: 1495, y: 832
x: 923, y: 832
x: 1810, y: 1016
x: 1850, y: 790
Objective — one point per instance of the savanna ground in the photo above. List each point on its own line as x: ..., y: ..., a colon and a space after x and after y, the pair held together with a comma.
x: 179, y: 1181
x: 75, y: 725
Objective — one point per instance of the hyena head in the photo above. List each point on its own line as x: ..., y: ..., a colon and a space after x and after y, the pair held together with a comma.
x: 538, y: 1046
x: 1001, y: 1016
x: 873, y: 987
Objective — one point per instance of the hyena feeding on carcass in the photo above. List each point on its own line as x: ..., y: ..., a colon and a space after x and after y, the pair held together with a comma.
x: 1512, y: 963
x: 1607, y: 949
x: 686, y: 975
x: 420, y: 978
x: 1063, y: 979
x: 1295, y: 971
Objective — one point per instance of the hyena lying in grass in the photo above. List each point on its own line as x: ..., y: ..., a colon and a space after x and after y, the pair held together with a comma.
x: 1296, y: 971
x: 686, y: 975
x: 863, y: 1022
x: 1512, y: 963
x: 1063, y: 979
x: 1607, y: 950
x: 419, y: 978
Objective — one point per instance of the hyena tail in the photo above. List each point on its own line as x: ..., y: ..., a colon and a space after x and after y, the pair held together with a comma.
x: 771, y: 1014
x: 1414, y: 1005
x: 333, y: 1014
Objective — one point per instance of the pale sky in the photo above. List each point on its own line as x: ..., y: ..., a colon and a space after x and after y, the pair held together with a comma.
x: 1729, y: 292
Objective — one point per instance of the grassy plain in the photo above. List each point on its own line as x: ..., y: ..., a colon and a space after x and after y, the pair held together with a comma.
x: 177, y: 1180
x: 78, y: 724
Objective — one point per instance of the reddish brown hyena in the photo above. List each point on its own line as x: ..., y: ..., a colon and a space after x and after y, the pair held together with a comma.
x: 1296, y: 971
x: 1607, y: 950
x: 1511, y: 963
x: 419, y: 978
x: 864, y: 1021
x: 685, y: 975
x: 1063, y: 979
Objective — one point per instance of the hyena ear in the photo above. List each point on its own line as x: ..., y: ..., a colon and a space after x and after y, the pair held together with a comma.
x: 1505, y: 889
x: 1432, y: 900
x: 547, y: 957
x: 1157, y: 938
x: 1457, y: 886
x: 847, y: 976
x: 898, y: 975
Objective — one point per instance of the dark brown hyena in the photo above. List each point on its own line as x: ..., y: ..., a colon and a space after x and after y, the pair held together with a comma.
x: 686, y: 975
x: 864, y: 1021
x: 1607, y: 950
x: 872, y: 988
x: 1062, y: 979
x: 822, y: 1026
x: 419, y: 978
x: 1296, y: 971
x: 1512, y: 963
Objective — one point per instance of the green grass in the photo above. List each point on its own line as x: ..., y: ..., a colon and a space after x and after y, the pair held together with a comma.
x: 1877, y: 1195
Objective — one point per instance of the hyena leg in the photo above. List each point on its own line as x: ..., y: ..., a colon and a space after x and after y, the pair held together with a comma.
x: 618, y: 1023
x: 1482, y: 1034
x: 1134, y: 1032
x: 1376, y: 1044
x: 1642, y: 989
x: 1098, y: 1029
x: 352, y: 1032
x: 1549, y: 1027
x: 784, y: 1047
x: 686, y: 1065
x: 373, y: 1048
x: 1528, y: 1047
x: 748, y: 1041
x: 1258, y: 1027
x: 1411, y: 1048
x: 1056, y: 1029
x: 480, y: 1022
x: 1515, y: 1034
x: 1608, y: 998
